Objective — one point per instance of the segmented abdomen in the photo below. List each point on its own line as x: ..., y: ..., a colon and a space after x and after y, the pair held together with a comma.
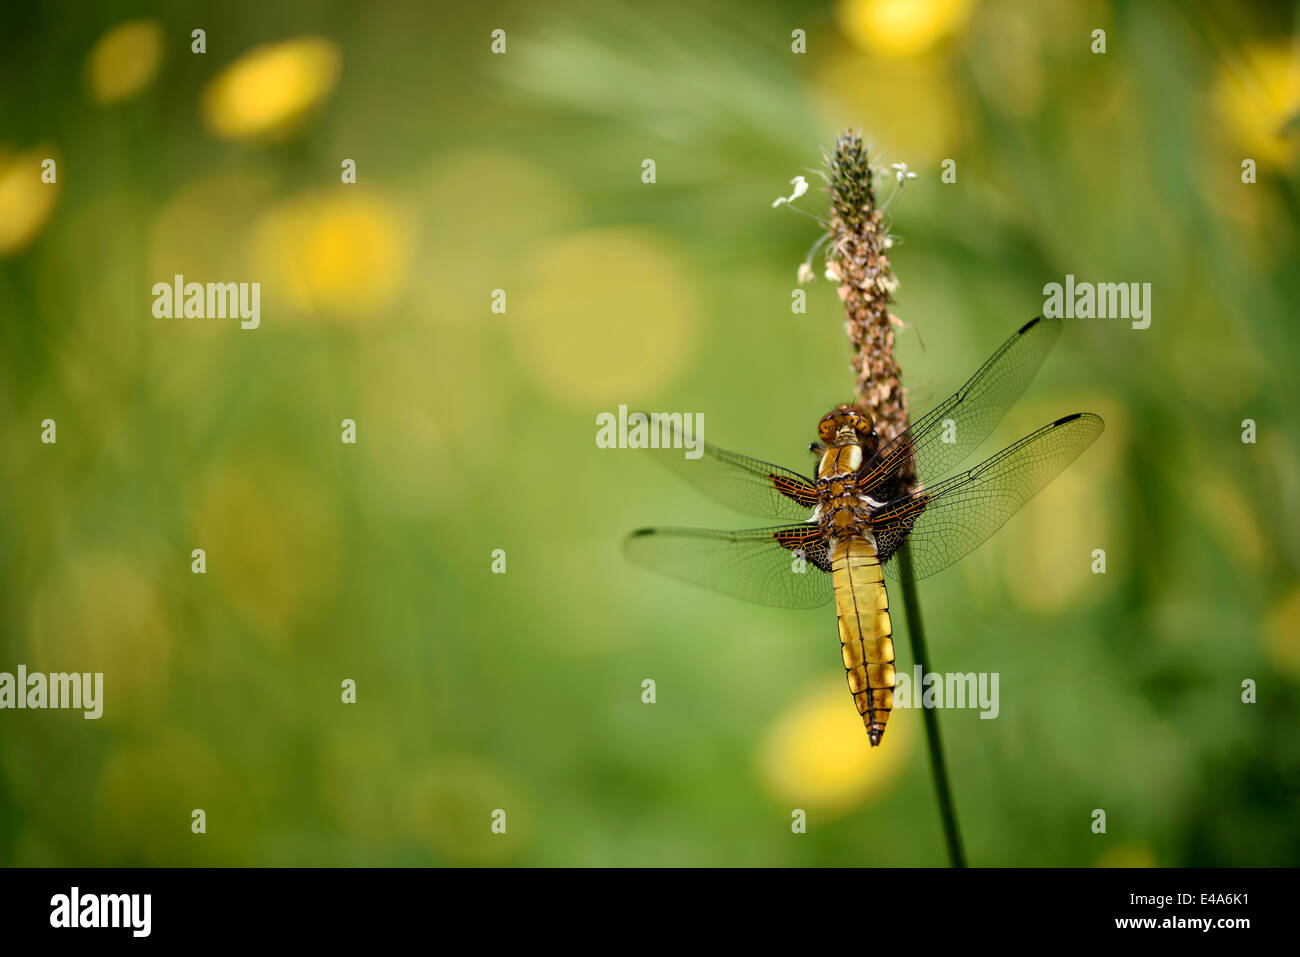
x: 866, y: 637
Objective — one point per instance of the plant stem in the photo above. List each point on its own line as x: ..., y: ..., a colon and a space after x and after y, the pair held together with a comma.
x: 916, y: 634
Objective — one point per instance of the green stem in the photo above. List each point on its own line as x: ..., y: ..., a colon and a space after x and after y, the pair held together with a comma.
x: 916, y: 632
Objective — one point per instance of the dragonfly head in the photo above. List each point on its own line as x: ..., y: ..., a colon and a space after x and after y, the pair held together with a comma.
x: 846, y: 425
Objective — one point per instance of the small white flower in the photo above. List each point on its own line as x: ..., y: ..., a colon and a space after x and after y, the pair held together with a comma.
x: 800, y: 187
x: 805, y: 273
x: 901, y: 172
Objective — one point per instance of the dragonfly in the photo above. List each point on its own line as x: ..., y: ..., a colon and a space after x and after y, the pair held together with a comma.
x: 875, y: 507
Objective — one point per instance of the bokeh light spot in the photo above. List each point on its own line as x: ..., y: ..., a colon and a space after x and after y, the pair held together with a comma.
x: 911, y: 108
x: 334, y: 256
x: 900, y: 28
x: 469, y: 194
x: 25, y: 201
x: 1258, y: 97
x: 269, y: 90
x: 124, y: 60
x: 610, y: 317
x: 817, y: 755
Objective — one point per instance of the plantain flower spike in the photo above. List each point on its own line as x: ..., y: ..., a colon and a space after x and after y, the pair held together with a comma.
x: 856, y: 259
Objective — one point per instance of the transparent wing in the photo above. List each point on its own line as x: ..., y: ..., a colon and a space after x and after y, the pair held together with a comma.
x: 942, y: 523
x: 746, y: 484
x: 939, y: 441
x: 759, y: 565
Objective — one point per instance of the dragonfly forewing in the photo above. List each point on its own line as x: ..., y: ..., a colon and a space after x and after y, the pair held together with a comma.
x: 746, y: 484
x: 940, y: 440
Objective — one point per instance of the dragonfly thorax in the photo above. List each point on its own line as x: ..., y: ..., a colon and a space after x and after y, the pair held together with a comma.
x: 841, y: 509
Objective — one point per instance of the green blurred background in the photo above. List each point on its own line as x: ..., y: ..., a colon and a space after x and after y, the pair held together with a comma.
x: 522, y: 172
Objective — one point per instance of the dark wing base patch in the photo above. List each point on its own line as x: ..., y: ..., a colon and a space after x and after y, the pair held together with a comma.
x: 811, y: 542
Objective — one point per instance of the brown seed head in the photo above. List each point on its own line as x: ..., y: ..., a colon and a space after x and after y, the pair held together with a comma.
x: 857, y: 256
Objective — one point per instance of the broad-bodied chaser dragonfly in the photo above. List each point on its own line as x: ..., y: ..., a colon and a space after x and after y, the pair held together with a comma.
x: 869, y: 499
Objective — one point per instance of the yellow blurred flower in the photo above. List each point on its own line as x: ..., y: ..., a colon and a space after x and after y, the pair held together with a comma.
x: 1127, y: 855
x: 344, y: 253
x: 610, y: 318
x: 817, y: 755
x: 269, y: 90
x: 1282, y: 633
x: 900, y: 28
x: 25, y: 200
x: 1258, y: 97
x: 912, y: 108
x: 124, y: 60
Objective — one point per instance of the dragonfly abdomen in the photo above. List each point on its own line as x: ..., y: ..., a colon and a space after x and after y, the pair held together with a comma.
x: 866, y: 636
